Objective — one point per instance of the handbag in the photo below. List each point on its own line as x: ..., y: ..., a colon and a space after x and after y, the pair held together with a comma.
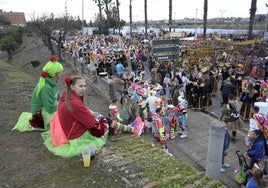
x: 240, y: 175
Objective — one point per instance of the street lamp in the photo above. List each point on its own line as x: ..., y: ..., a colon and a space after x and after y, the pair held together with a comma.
x: 222, y: 11
x: 196, y: 11
x: 266, y: 26
x: 83, y: 50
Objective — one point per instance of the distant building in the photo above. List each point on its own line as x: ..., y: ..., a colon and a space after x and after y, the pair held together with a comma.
x: 14, y: 18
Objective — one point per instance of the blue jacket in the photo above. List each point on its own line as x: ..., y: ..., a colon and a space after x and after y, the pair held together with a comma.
x: 257, y: 150
x: 251, y: 183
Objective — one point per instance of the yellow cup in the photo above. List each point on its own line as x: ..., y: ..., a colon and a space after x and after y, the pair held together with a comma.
x: 86, y: 159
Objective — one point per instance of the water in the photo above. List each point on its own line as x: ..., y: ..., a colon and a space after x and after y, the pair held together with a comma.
x: 199, y: 30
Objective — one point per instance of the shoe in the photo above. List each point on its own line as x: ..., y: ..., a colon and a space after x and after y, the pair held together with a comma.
x: 222, y: 170
x: 138, y: 129
x: 183, y: 136
x: 225, y: 165
x: 153, y: 144
x: 167, y: 151
x: 172, y: 136
x: 180, y: 132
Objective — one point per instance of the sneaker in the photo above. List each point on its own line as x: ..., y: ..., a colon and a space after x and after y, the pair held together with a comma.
x: 222, y: 170
x: 225, y: 165
x: 172, y: 136
x: 183, y: 136
x: 167, y: 151
x: 138, y: 129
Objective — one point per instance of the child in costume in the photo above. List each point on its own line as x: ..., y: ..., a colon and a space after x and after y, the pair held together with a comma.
x: 182, y: 109
x: 85, y: 131
x: 44, y: 100
x: 116, y: 126
x: 170, y: 121
x: 158, y: 130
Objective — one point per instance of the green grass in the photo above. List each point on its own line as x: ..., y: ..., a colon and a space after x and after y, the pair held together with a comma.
x: 161, y: 169
x: 11, y: 75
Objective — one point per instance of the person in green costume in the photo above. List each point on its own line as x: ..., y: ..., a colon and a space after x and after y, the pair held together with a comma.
x: 44, y: 100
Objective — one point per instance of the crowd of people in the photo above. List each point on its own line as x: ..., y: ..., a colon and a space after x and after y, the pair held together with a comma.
x: 163, y: 90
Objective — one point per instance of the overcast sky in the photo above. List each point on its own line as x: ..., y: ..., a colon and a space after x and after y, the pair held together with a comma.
x: 157, y: 9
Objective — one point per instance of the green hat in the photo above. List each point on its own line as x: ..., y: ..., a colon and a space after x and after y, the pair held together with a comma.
x: 49, y: 70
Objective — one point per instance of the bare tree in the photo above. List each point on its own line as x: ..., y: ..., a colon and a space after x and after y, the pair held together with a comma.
x: 252, y: 12
x: 118, y: 14
x: 55, y: 29
x: 205, y: 19
x: 170, y: 15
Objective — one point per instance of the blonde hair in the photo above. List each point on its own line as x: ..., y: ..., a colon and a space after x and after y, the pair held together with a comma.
x: 257, y: 175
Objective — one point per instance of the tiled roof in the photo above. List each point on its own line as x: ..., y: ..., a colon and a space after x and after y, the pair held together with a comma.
x: 15, y: 18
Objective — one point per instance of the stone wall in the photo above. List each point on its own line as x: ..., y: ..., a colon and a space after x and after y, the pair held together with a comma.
x: 103, y: 85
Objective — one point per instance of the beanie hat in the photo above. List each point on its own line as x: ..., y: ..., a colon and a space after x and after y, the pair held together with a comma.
x: 260, y: 118
x: 49, y: 70
x: 52, y: 67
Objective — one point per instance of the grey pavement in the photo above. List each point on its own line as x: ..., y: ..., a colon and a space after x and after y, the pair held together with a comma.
x: 194, y: 148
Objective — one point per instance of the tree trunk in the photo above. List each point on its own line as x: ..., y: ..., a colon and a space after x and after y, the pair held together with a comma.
x: 118, y: 15
x: 130, y: 17
x: 205, y: 19
x: 170, y: 15
x: 252, y: 12
x: 145, y: 17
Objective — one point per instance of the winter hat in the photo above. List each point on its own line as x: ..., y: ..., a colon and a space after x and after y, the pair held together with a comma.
x: 49, y: 70
x: 260, y: 118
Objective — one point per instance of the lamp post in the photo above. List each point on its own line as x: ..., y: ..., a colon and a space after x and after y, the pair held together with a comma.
x: 174, y: 21
x: 196, y: 11
x: 83, y: 50
x: 82, y: 17
x: 222, y: 11
x: 266, y: 26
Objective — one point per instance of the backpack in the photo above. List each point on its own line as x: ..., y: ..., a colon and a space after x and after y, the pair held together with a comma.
x: 58, y: 136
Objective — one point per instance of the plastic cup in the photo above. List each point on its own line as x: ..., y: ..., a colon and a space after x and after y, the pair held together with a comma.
x: 86, y: 158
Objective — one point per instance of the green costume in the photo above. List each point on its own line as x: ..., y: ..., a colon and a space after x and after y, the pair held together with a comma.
x: 45, y: 99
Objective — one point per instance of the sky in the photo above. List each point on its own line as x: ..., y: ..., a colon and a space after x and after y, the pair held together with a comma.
x: 156, y: 9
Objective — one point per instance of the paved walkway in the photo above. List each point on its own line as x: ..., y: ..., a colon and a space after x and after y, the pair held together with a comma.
x: 194, y: 148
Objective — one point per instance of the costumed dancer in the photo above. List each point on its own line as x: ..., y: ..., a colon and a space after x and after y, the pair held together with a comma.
x: 170, y: 121
x: 116, y: 126
x: 182, y: 109
x: 158, y: 130
x: 44, y: 100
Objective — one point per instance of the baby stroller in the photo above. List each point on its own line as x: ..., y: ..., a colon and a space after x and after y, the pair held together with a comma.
x: 242, y: 171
